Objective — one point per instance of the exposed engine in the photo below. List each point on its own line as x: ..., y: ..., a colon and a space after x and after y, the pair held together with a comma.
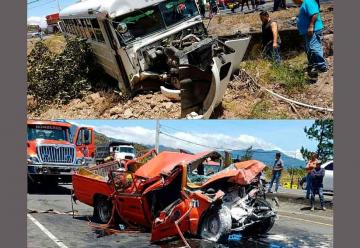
x: 182, y: 62
x: 242, y: 209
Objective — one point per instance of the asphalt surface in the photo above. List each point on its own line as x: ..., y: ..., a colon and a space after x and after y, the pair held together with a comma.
x: 296, y: 226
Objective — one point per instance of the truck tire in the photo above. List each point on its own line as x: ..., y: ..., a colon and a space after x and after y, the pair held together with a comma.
x: 263, y: 226
x: 102, y: 209
x: 216, y: 224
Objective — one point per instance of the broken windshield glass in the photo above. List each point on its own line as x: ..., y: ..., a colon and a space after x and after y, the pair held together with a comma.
x: 175, y: 11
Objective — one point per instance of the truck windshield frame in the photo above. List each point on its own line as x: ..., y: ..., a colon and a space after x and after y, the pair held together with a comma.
x: 47, y: 132
x: 127, y: 150
x: 144, y: 22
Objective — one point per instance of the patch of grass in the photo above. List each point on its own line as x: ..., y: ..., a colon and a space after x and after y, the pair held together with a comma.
x: 55, y: 43
x: 292, y: 78
x: 290, y: 74
x: 264, y: 109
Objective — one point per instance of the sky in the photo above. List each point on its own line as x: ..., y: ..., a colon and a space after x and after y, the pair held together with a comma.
x: 284, y: 135
x: 38, y: 9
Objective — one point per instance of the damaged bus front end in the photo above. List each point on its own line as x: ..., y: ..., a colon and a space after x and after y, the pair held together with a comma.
x: 160, y: 46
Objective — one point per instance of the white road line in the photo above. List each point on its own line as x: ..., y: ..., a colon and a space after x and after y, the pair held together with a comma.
x: 47, y: 232
x: 310, y: 215
x: 315, y: 222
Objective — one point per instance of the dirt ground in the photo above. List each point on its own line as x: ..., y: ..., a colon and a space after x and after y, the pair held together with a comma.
x: 239, y: 101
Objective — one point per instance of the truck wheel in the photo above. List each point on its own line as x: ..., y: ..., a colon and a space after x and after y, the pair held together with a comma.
x: 263, y: 226
x: 102, y: 210
x: 216, y: 224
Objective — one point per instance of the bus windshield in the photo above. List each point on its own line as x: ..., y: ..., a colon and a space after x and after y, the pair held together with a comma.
x: 175, y: 11
x: 48, y: 132
x: 141, y: 22
x: 145, y: 21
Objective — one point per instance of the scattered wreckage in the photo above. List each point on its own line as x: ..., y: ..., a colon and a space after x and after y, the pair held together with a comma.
x: 174, y: 194
x: 158, y: 45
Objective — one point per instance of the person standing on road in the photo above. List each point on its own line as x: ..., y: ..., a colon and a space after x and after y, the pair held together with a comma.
x: 276, y: 172
x: 202, y: 7
x: 270, y: 37
x: 317, y: 176
x: 310, y: 26
x: 279, y: 3
x: 309, y: 167
x: 247, y: 4
x: 213, y: 8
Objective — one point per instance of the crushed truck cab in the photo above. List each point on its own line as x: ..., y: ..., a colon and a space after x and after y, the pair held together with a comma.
x: 172, y: 195
x: 158, y: 46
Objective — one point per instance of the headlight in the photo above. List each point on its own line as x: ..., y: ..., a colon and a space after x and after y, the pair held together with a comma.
x: 33, y: 160
x: 80, y: 161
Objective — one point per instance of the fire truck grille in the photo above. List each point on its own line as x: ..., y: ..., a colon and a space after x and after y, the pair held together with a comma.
x: 57, y: 154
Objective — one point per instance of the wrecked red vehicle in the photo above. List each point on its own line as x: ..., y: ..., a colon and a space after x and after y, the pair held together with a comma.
x: 172, y: 194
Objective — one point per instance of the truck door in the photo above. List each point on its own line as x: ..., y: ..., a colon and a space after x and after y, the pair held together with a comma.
x: 176, y: 208
x: 85, y: 141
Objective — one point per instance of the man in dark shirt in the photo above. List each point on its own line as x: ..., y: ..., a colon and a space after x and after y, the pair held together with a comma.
x: 276, y: 172
x: 317, y: 176
x: 270, y: 37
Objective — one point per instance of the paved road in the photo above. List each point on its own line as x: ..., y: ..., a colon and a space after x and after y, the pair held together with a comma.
x: 296, y: 227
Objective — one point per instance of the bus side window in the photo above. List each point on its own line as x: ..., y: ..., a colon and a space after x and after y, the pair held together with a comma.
x: 98, y: 33
x: 86, y: 30
x: 76, y: 28
x: 91, y: 30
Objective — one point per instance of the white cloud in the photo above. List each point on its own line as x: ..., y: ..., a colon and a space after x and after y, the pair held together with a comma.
x: 146, y: 136
x: 37, y: 20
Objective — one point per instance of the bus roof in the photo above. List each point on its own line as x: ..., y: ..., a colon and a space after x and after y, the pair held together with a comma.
x: 49, y: 123
x: 113, y: 8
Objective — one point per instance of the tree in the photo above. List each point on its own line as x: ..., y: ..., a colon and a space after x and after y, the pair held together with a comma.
x: 248, y: 154
x: 322, y: 131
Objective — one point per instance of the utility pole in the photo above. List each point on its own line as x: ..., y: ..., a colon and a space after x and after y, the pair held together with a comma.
x: 157, y: 136
x: 58, y: 3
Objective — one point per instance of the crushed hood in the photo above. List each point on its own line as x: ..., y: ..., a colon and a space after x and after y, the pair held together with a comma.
x: 167, y: 161
x: 240, y: 173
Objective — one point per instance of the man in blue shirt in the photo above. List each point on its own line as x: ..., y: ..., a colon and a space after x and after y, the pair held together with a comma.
x: 310, y: 26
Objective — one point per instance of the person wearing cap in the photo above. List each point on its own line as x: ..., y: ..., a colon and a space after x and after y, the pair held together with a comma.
x: 276, y: 172
x: 317, y: 177
x: 310, y: 26
x: 270, y: 37
x: 309, y: 167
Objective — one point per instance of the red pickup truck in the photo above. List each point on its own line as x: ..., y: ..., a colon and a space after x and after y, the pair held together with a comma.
x: 172, y: 194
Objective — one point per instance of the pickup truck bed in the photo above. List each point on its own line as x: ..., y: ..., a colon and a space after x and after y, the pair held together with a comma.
x: 89, y: 183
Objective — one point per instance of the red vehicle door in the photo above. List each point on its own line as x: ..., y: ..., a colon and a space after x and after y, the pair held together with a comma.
x: 84, y: 140
x: 130, y: 208
x: 174, y: 218
x: 165, y: 225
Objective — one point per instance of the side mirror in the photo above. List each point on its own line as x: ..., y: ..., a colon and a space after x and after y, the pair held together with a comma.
x: 121, y: 28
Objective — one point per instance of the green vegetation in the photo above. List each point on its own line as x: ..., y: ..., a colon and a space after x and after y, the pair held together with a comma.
x: 248, y: 154
x: 60, y: 77
x: 290, y: 74
x: 322, y: 131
